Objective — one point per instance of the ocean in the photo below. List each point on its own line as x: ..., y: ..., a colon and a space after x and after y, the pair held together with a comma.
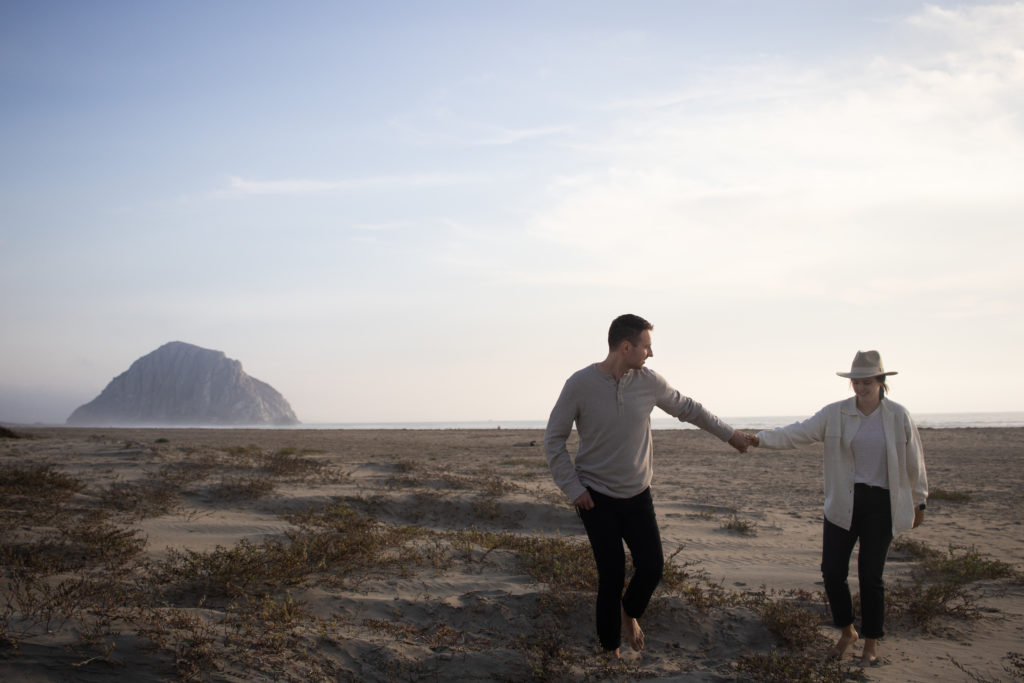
x: 925, y: 420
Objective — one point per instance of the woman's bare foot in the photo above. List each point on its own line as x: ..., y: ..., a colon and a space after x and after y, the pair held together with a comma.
x: 869, y: 656
x: 634, y: 634
x: 846, y: 639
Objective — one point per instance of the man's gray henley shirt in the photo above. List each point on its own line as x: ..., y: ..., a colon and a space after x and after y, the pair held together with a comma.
x: 613, y: 420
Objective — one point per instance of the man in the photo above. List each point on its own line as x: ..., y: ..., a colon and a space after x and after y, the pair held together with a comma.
x: 609, y: 479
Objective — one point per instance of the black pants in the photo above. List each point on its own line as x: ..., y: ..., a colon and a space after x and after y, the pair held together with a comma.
x: 608, y: 524
x: 872, y: 525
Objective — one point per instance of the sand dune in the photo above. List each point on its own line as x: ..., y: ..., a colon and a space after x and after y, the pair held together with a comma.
x: 470, y: 566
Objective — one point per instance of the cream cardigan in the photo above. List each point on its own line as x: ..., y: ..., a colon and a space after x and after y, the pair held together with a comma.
x: 835, y: 425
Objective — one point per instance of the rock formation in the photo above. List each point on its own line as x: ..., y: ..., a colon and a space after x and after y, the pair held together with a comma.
x: 184, y: 385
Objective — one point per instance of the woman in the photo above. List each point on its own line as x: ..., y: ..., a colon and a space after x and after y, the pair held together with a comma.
x: 875, y: 487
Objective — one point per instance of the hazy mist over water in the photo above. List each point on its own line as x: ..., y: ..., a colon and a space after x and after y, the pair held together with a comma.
x: 926, y: 420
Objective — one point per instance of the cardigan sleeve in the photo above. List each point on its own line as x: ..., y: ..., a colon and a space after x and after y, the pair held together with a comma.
x: 915, y: 462
x: 811, y: 430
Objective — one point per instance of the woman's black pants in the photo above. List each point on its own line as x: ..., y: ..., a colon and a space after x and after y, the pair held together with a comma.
x: 608, y: 524
x: 872, y: 526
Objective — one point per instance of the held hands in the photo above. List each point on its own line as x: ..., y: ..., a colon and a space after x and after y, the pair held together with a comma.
x: 741, y: 441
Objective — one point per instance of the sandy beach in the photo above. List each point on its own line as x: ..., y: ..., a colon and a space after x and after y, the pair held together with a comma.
x: 449, y: 555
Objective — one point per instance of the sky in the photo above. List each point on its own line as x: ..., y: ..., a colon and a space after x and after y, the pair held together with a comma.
x: 431, y: 211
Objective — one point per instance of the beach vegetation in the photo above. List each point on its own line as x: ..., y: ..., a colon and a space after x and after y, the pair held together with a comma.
x: 964, y: 565
x: 793, y: 667
x: 743, y: 527
x: 791, y: 618
x: 247, y: 450
x: 679, y: 574
x: 942, y: 584
x: 23, y: 486
x: 334, y: 543
x: 280, y: 608
x: 706, y: 595
x: 950, y: 496
x: 405, y: 466
x: 190, y: 639
x: 289, y: 462
x: 79, y: 542
x: 269, y: 609
x: 549, y: 653
x: 148, y: 497
x: 560, y: 562
x: 6, y: 433
x: 242, y: 487
x: 959, y: 564
x: 687, y: 580
x: 401, y: 482
x: 1014, y: 670
x: 188, y: 470
x: 1014, y: 665
x: 397, y: 630
x: 922, y: 604
x: 538, y: 463
x: 486, y: 507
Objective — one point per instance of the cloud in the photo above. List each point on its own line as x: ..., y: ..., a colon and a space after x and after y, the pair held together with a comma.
x: 771, y: 179
x: 441, y: 126
x: 290, y: 186
x: 985, y: 29
x: 495, y: 136
x: 387, y: 226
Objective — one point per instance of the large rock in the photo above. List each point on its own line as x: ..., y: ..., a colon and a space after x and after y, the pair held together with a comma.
x: 184, y: 385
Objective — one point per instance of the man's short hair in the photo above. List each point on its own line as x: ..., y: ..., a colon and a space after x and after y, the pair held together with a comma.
x: 626, y: 327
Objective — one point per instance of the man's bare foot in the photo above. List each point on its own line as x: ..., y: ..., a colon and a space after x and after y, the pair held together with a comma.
x: 869, y: 656
x: 634, y: 634
x: 849, y: 637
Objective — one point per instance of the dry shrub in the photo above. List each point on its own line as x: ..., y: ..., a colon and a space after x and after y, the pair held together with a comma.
x: 922, y: 604
x: 37, y: 603
x: 89, y: 542
x: 795, y: 626
x: 951, y: 496
x: 789, y: 667
x: 941, y: 583
x: 562, y: 563
x: 242, y: 487
x: 287, y: 462
x: 334, y: 542
x: 743, y: 527
x: 182, y: 472
x: 244, y: 452
x: 149, y: 497
x: 485, y: 507
x: 26, y: 485
x: 188, y: 636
